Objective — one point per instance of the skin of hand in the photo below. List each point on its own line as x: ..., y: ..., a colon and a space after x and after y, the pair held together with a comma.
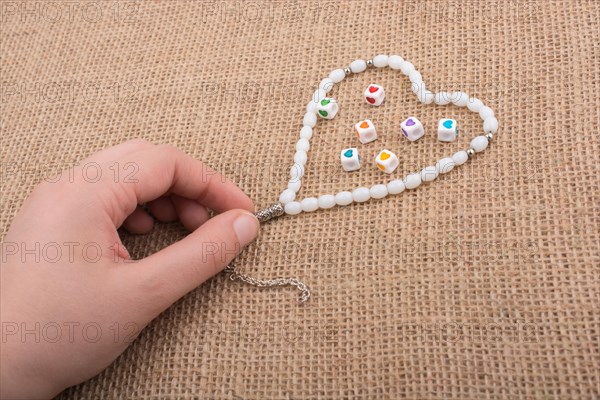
x: 72, y: 299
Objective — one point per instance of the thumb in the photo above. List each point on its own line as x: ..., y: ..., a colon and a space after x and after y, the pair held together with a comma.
x: 174, y: 271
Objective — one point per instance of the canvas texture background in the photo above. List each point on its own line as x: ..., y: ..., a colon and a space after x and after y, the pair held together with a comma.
x: 480, y: 285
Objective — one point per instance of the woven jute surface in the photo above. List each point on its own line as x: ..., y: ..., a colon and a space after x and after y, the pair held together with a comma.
x: 482, y: 284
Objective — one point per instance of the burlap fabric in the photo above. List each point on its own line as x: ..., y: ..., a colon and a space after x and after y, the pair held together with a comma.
x: 483, y: 284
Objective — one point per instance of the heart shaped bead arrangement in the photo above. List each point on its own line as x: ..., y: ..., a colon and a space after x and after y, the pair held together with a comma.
x: 386, y: 160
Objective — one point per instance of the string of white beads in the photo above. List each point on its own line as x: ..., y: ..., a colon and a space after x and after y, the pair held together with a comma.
x: 343, y: 198
x: 378, y: 191
x: 358, y: 66
x: 310, y: 204
x: 337, y: 75
x: 380, y: 61
x: 396, y: 186
x: 326, y: 201
x: 361, y: 194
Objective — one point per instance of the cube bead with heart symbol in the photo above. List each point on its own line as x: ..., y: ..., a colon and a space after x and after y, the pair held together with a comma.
x: 327, y: 108
x: 447, y: 130
x: 387, y: 161
x: 374, y: 94
x: 365, y: 130
x: 350, y: 159
x: 412, y: 128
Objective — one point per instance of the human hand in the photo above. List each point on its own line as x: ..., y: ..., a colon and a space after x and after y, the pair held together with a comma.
x: 72, y: 299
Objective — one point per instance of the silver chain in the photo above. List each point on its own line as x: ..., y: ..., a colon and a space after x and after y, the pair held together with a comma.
x: 264, y: 215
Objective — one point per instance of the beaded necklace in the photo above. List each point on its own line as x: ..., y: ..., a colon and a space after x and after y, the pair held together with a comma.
x: 326, y: 108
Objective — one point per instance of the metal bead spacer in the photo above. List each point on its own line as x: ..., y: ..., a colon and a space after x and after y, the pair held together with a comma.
x: 470, y: 153
x: 273, y: 211
x: 347, y: 71
x: 369, y: 63
x: 489, y: 136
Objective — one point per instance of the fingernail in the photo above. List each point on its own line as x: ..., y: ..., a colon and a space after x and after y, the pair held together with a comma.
x: 246, y: 228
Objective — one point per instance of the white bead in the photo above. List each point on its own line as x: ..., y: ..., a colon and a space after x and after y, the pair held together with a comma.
x: 357, y: 66
x: 418, y: 87
x: 326, y: 201
x: 415, y: 76
x: 300, y: 157
x: 447, y: 130
x: 293, y: 208
x: 387, y: 161
x: 442, y: 98
x: 327, y: 108
x: 460, y: 98
x: 421, y: 94
x: 427, y: 97
x: 445, y: 165
x: 311, y: 107
x: 429, y: 174
x: 296, y: 172
x: 310, y: 119
x: 380, y: 61
x: 306, y: 132
x: 485, y: 112
x: 395, y: 62
x: 474, y: 104
x: 412, y: 181
x: 374, y: 94
x: 479, y: 143
x: 326, y: 84
x: 460, y: 157
x: 287, y: 196
x: 343, y: 198
x: 396, y: 186
x: 407, y: 68
x: 412, y: 129
x: 365, y: 130
x: 337, y: 75
x: 490, y: 125
x: 294, y: 185
x: 361, y: 194
x: 318, y: 95
x: 302, y: 145
x: 350, y: 159
x: 310, y: 204
x: 378, y: 191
